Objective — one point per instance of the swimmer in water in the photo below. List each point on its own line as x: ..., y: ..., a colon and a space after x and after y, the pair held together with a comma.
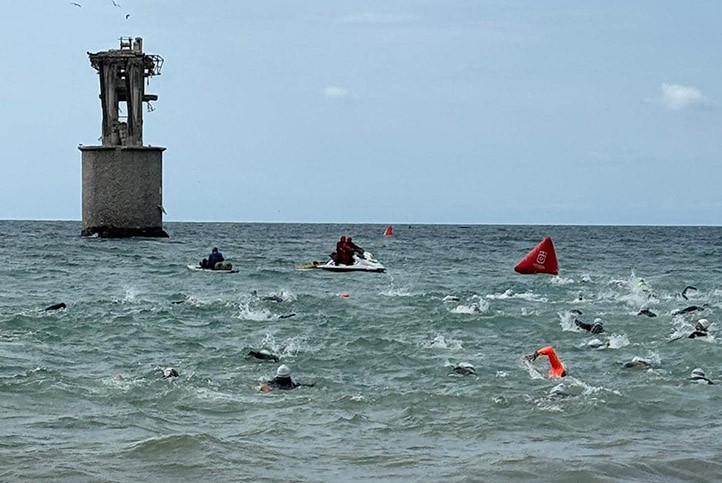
x: 647, y: 312
x: 598, y: 344
x: 638, y: 363
x: 59, y: 306
x: 699, y: 377
x: 282, y: 381
x: 686, y: 310
x: 170, y: 372
x: 596, y: 328
x: 465, y: 369
x: 700, y: 329
x: 557, y: 368
x: 263, y: 355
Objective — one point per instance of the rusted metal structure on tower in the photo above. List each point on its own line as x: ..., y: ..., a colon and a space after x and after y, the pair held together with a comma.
x: 122, y: 178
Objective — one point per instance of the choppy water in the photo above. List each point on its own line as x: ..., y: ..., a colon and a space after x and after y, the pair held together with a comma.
x: 82, y: 397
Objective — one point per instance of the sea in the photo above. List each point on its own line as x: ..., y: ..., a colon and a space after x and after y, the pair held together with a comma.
x: 83, y: 399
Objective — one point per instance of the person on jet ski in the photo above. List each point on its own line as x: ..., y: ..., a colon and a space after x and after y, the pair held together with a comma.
x: 213, y: 258
x: 355, y: 248
x: 344, y: 253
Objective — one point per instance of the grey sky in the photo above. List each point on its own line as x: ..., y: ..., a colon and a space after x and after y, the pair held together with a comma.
x: 382, y: 111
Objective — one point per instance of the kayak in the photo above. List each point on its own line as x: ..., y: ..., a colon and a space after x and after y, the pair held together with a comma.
x: 197, y: 268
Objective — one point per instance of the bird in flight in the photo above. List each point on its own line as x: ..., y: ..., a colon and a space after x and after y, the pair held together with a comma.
x: 76, y: 4
x: 115, y: 4
x: 127, y: 16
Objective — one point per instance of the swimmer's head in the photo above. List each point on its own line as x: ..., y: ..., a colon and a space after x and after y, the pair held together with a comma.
x: 283, y: 371
x: 702, y: 324
x: 464, y: 368
x: 697, y: 374
x: 170, y: 372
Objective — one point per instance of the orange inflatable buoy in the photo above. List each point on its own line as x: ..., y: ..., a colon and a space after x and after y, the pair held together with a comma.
x: 557, y: 368
x: 389, y: 231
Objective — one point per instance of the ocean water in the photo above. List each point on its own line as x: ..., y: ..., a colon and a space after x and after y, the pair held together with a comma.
x: 82, y: 397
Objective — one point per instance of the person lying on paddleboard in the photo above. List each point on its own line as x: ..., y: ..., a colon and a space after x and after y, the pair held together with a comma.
x: 214, y: 258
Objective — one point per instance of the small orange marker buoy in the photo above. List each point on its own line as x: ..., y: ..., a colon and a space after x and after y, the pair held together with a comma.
x: 344, y: 295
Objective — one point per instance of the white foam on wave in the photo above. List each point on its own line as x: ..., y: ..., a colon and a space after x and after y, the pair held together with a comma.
x: 531, y: 369
x: 557, y: 280
x: 618, y: 340
x: 131, y: 295
x: 566, y: 321
x: 510, y: 294
x: 441, y: 342
x: 473, y: 308
x: 255, y: 314
x: 396, y: 292
x: 284, y: 295
x: 287, y: 348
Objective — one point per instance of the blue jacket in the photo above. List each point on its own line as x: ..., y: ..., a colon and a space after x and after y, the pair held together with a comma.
x: 214, y: 258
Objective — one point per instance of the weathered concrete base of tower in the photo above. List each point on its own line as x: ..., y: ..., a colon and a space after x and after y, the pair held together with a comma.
x: 122, y: 191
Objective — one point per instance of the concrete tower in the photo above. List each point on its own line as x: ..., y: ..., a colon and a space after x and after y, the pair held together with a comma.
x: 122, y: 179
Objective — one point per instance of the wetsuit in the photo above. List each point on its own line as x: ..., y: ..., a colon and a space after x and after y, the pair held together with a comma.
x: 284, y: 383
x: 263, y: 355
x: 596, y: 328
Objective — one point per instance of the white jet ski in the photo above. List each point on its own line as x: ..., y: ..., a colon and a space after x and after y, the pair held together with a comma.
x: 367, y: 263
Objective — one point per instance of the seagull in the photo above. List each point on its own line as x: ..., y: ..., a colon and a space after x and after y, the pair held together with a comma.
x: 127, y: 16
x: 76, y: 4
x: 115, y: 4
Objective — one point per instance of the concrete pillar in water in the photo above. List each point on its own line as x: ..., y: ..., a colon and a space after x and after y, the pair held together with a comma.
x: 122, y: 179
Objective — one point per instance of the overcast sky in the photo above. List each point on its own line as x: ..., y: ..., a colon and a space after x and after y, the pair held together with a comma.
x: 408, y: 111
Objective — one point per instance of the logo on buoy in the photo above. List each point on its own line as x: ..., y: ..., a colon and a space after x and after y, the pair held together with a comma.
x: 541, y: 257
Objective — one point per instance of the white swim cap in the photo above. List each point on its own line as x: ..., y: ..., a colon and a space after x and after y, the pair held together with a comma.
x: 704, y: 323
x: 697, y: 374
x: 169, y: 372
x: 595, y: 343
x: 466, y: 365
x: 283, y: 371
x: 598, y: 321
